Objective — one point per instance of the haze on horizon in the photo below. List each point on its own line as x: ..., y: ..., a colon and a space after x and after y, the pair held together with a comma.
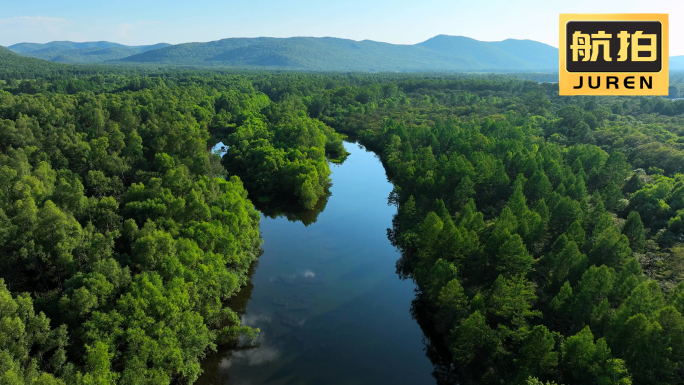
x: 144, y: 22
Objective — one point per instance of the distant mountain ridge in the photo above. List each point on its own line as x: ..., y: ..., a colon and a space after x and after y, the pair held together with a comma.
x: 507, y: 54
x: 442, y: 53
x: 65, y: 45
x: 88, y: 52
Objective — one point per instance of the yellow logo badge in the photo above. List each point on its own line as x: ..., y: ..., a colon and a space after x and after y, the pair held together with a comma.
x: 613, y: 54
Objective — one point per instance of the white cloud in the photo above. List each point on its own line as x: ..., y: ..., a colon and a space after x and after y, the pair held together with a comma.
x: 38, y: 29
x: 258, y: 356
x: 254, y: 319
x: 42, y: 29
x: 37, y: 23
x: 33, y: 20
x: 124, y: 31
x: 132, y: 32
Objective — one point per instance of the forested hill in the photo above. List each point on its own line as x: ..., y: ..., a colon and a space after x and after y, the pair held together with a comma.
x: 506, y: 54
x: 441, y: 53
x: 89, y: 52
x: 13, y: 65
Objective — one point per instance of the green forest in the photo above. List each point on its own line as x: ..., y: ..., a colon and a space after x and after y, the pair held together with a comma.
x: 545, y: 234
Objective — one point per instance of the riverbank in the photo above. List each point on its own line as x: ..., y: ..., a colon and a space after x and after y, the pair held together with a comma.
x: 326, y: 295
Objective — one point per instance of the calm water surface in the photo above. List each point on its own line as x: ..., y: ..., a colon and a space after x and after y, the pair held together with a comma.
x: 326, y: 296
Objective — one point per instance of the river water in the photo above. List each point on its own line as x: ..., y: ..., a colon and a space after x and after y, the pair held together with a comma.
x: 326, y: 296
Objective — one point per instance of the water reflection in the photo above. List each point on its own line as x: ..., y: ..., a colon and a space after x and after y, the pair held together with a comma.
x: 444, y: 371
x: 215, y: 365
x: 219, y: 149
x: 279, y: 208
x: 292, y: 211
x: 325, y: 295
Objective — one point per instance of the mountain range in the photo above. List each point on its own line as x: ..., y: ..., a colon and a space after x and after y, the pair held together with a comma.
x: 89, y: 52
x: 440, y: 53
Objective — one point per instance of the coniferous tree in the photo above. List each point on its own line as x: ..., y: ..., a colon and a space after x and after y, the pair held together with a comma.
x: 634, y: 230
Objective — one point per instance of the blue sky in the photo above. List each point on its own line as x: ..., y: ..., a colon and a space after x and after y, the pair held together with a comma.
x: 403, y: 22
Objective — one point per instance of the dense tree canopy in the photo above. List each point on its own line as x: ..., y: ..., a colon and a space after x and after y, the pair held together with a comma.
x: 544, y: 232
x: 115, y: 216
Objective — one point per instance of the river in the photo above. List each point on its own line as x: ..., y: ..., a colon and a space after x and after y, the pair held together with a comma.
x: 326, y: 296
